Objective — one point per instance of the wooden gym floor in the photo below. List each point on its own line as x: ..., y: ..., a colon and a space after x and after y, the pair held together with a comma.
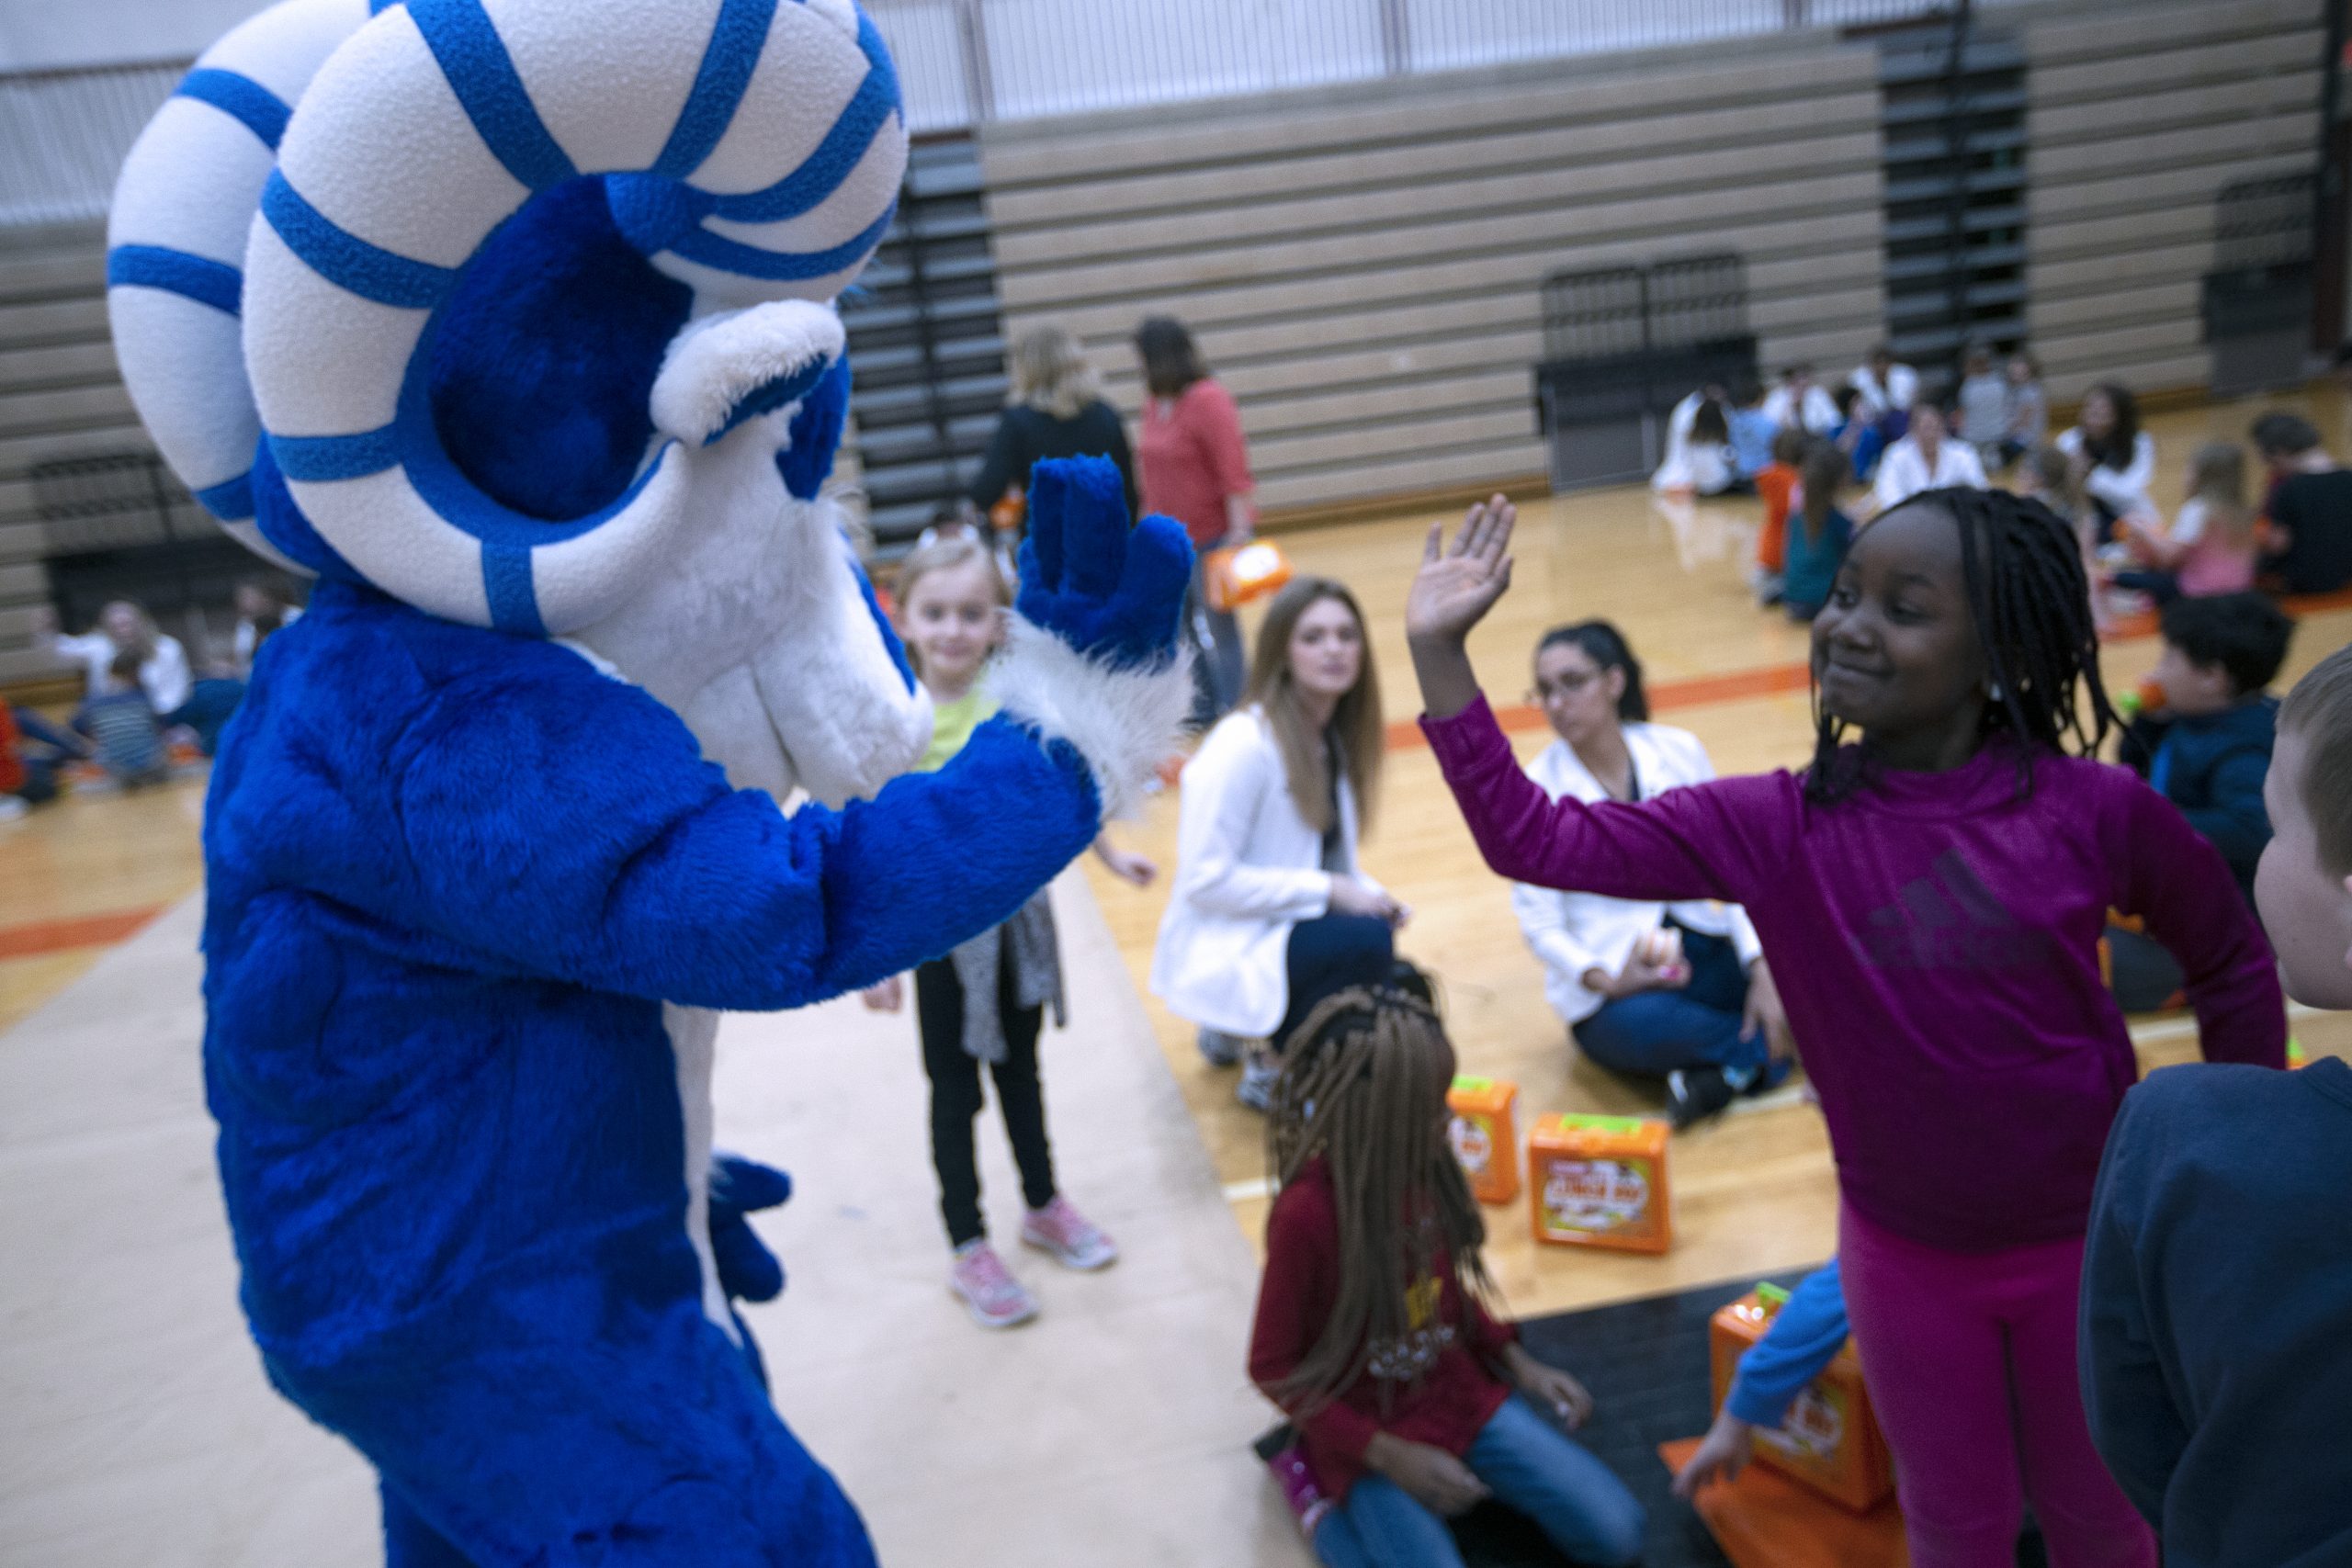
x: 1753, y: 1192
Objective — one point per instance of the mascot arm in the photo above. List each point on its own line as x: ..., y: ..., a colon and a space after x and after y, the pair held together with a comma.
x: 634, y: 868
x: 565, y: 824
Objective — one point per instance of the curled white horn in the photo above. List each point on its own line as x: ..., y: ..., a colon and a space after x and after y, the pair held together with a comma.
x: 436, y: 123
x: 176, y: 246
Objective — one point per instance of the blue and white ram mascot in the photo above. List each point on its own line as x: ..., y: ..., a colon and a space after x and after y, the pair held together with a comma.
x: 511, y: 321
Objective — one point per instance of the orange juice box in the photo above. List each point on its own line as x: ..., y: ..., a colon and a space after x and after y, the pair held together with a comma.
x: 1483, y: 1137
x: 1830, y: 1439
x: 1600, y: 1181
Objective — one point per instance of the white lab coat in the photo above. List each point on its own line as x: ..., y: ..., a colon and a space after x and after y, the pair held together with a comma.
x: 1898, y: 393
x: 1571, y: 932
x: 1249, y: 867
x: 165, y: 676
x: 1903, y: 471
x: 2124, y: 489
x: 1817, y: 413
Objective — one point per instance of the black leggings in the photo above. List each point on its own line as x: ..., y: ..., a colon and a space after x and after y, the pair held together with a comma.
x: 955, y: 1094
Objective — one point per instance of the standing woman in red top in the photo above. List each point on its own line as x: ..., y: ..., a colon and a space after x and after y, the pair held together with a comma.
x: 1412, y: 1402
x: 1197, y: 469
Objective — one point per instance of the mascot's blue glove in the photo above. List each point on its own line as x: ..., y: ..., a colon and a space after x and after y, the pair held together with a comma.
x: 748, y: 1271
x: 1114, y: 594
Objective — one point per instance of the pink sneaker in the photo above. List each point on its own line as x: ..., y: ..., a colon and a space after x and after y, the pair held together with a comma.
x: 989, y: 1289
x: 1075, y: 1241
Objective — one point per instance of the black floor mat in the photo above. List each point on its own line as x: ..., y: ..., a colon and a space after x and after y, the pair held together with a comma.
x: 1646, y: 1363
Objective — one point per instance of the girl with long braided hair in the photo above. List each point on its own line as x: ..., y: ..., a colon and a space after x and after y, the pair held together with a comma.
x: 1929, y: 893
x: 1412, y: 1400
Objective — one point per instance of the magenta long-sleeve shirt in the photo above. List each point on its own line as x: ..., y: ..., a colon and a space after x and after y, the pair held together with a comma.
x: 1935, y: 940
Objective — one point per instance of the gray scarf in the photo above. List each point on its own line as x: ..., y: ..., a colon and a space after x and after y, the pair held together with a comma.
x: 1037, y: 976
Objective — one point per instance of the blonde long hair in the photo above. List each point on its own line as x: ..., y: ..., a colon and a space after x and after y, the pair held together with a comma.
x: 1355, y: 722
x: 1052, y: 373
x: 2217, y: 477
x: 1363, y: 1087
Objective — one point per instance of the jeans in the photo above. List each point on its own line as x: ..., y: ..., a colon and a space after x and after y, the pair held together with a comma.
x: 2142, y: 973
x: 1219, y: 673
x: 1652, y: 1033
x: 210, y: 707
x: 1529, y: 1464
x: 1325, y: 956
x: 1970, y: 1358
x: 2164, y: 587
x: 955, y: 1095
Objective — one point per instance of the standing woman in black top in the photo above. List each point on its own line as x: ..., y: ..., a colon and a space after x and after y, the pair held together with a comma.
x: 1057, y: 410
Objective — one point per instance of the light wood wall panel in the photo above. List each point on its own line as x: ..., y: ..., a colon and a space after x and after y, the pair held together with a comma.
x: 2141, y: 112
x: 1363, y: 266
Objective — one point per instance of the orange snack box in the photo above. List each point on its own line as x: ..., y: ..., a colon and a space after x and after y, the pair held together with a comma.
x: 1482, y: 1136
x: 1238, y: 573
x: 1600, y: 1181
x: 1830, y: 1439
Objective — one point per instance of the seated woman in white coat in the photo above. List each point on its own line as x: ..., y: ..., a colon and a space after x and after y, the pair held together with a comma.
x: 1677, y: 991
x: 1268, y: 912
x: 1925, y: 459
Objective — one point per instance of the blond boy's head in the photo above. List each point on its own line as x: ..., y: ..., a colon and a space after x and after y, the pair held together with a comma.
x: 2304, y: 887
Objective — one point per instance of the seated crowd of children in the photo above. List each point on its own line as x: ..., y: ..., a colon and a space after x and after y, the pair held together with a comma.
x: 2296, y: 539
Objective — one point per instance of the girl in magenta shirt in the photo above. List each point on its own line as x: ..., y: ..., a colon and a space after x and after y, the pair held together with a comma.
x: 1930, y: 899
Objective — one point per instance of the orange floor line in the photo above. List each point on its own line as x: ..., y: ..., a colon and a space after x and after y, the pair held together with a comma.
x: 62, y: 936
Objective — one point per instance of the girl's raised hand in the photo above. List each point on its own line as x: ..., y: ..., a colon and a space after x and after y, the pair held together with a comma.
x: 887, y: 996
x: 1452, y: 592
x: 1458, y: 584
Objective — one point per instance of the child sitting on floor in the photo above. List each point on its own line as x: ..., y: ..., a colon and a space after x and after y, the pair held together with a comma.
x: 1776, y: 482
x: 2216, y: 1285
x: 2211, y: 545
x: 986, y: 1000
x: 123, y: 731
x: 1413, y: 1402
x: 2207, y: 749
x: 1817, y: 544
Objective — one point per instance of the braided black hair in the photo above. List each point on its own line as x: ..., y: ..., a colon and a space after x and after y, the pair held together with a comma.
x: 2029, y: 599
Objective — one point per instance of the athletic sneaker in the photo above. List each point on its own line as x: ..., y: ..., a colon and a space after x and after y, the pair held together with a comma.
x: 1306, y: 1500
x: 1693, y: 1094
x: 1256, y: 1089
x: 1219, y: 1050
x: 1075, y: 1241
x: 995, y: 1297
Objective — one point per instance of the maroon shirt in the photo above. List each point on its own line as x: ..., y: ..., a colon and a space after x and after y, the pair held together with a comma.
x: 1193, y: 456
x: 1440, y: 1389
x: 1936, y: 942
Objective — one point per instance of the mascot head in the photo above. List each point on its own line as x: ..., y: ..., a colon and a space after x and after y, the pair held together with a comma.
x: 519, y: 311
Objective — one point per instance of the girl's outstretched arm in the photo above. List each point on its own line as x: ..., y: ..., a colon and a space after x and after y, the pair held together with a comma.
x: 1715, y: 841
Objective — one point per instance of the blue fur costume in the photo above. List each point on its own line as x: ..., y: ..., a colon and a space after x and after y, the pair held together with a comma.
x: 473, y: 890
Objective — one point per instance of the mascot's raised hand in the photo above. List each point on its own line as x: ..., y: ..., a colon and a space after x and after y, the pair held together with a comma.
x: 511, y: 321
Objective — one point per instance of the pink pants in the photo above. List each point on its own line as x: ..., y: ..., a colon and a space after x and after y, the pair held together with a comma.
x: 1970, y: 1359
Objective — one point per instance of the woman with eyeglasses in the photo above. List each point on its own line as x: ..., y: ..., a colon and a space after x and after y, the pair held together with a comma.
x: 1674, y: 991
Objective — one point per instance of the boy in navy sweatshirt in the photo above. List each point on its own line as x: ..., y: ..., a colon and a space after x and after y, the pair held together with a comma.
x: 2208, y: 751
x: 2217, y: 1277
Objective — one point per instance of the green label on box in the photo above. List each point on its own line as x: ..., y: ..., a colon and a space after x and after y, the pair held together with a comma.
x: 1624, y: 1124
x: 1474, y: 1086
x: 1772, y: 1297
